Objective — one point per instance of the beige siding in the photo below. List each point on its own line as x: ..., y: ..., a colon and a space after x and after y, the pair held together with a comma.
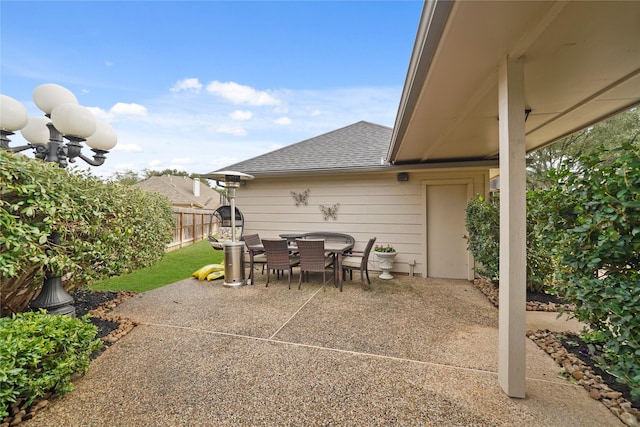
x: 372, y: 204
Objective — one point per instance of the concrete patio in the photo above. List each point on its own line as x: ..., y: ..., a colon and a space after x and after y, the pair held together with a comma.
x: 410, y: 351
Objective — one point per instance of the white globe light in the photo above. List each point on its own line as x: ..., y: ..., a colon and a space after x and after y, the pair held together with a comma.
x: 48, y: 96
x: 36, y: 130
x: 73, y: 120
x: 13, y: 115
x: 104, y: 138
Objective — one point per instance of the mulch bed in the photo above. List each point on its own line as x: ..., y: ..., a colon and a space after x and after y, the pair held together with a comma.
x: 99, y: 305
x: 572, y: 354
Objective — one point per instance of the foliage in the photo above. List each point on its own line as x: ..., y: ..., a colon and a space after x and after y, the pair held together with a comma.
x: 174, y: 266
x: 105, y: 229
x: 600, y: 255
x: 483, y: 235
x: 542, y: 234
x: 483, y: 240
x: 127, y: 177
x: 382, y: 248
x: 605, y: 135
x: 40, y: 353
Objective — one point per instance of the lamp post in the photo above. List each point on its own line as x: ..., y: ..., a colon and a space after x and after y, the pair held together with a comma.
x: 64, y: 119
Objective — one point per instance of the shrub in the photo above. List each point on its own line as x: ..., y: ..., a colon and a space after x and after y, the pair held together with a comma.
x: 105, y: 229
x: 483, y: 240
x: 40, y: 353
x: 600, y: 256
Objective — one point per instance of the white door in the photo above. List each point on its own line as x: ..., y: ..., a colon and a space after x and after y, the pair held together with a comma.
x: 447, y: 255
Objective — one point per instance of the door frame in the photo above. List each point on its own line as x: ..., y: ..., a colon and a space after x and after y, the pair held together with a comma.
x: 439, y: 182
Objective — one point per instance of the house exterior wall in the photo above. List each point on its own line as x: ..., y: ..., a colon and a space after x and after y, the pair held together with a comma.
x: 368, y: 205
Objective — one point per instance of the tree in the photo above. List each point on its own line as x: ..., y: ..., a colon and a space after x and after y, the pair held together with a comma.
x: 128, y: 177
x: 604, y: 136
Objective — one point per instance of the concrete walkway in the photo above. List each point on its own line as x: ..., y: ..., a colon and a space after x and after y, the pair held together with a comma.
x: 409, y: 352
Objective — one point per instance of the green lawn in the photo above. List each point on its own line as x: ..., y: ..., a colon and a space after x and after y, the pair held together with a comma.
x: 173, y: 267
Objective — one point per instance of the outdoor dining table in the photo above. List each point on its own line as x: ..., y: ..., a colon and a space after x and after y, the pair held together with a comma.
x: 336, y: 248
x: 291, y: 237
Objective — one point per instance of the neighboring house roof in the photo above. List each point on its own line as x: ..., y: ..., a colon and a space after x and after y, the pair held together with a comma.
x: 360, y: 146
x: 181, y: 190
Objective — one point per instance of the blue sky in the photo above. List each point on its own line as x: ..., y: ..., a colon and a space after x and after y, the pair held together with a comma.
x: 199, y: 85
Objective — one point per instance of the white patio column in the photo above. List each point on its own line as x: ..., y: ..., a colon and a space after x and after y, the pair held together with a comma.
x: 511, y: 342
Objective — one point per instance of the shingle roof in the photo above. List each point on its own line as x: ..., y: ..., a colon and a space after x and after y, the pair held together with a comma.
x: 362, y: 145
x: 179, y: 189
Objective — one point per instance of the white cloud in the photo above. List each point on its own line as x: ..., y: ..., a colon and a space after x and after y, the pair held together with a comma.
x: 100, y: 114
x: 123, y: 167
x: 220, y: 162
x: 240, y: 94
x: 155, y: 162
x: 241, y: 115
x: 128, y: 148
x: 129, y: 109
x: 315, y: 113
x: 284, y: 121
x: 273, y: 147
x: 187, y: 85
x: 182, y: 161
x: 232, y: 130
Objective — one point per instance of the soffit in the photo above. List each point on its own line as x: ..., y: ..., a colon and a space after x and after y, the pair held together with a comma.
x: 582, y: 65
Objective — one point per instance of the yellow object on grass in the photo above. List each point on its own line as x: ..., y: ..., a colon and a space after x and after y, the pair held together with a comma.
x: 205, y: 271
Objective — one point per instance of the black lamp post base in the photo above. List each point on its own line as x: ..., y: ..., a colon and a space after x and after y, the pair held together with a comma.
x: 54, y: 299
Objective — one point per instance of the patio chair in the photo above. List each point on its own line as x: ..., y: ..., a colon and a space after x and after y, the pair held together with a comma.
x: 278, y: 257
x: 313, y: 258
x: 259, y: 257
x: 356, y: 260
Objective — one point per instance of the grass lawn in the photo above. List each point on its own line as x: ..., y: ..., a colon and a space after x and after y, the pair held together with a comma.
x: 173, y: 267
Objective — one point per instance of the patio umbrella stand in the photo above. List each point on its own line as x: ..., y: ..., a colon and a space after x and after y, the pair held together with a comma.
x: 233, y: 249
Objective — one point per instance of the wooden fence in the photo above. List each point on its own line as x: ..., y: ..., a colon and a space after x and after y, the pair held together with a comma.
x: 192, y: 225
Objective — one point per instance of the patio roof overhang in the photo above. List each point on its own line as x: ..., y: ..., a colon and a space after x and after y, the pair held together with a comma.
x: 492, y: 77
x: 581, y: 65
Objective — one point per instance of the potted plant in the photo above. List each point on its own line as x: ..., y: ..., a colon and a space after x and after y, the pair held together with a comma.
x: 386, y: 255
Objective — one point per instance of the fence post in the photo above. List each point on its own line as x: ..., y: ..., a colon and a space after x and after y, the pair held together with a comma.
x: 181, y: 228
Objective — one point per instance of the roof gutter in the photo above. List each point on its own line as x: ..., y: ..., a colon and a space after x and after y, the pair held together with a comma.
x: 433, y: 21
x: 407, y: 167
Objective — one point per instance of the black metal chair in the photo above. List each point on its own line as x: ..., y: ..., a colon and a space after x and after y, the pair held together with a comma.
x: 278, y: 257
x: 313, y: 258
x: 356, y: 260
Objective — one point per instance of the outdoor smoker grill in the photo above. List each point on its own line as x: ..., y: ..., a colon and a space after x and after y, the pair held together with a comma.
x: 233, y: 249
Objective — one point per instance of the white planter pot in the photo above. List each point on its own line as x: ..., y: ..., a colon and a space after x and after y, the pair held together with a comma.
x: 386, y: 263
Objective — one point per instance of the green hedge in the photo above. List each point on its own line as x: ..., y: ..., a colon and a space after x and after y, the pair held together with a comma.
x: 483, y: 235
x: 39, y: 353
x: 106, y: 229
x: 583, y: 238
x: 599, y: 246
x: 483, y: 238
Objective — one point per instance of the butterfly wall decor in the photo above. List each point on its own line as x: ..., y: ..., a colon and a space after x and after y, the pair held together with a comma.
x: 301, y: 198
x: 330, y: 211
